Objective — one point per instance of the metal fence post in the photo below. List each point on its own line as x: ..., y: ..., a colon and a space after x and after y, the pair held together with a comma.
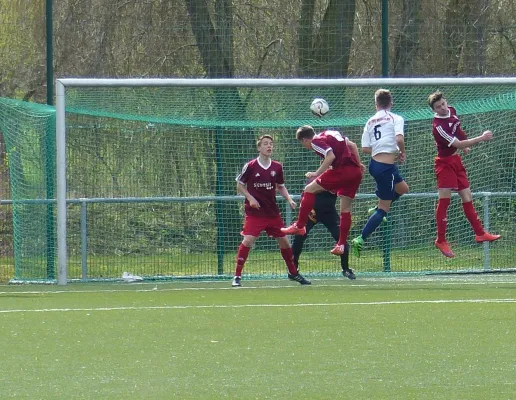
x: 485, y: 204
x: 84, y: 241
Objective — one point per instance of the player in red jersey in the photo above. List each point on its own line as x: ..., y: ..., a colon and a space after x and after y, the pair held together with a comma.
x: 258, y: 182
x: 450, y: 172
x: 340, y: 172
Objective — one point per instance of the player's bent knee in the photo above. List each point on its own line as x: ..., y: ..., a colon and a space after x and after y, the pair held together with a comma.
x: 401, y: 188
x: 249, y: 241
x: 313, y: 187
x: 385, y: 205
x: 283, y: 242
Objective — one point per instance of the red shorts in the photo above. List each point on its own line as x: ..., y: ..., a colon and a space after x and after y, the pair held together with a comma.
x: 450, y: 173
x: 254, y: 225
x: 342, y: 181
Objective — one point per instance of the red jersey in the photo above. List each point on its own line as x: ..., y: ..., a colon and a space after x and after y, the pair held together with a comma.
x: 261, y: 181
x: 446, y: 130
x: 334, y: 141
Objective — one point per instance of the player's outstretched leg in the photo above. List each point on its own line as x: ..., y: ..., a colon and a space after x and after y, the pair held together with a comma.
x: 357, y: 245
x: 338, y: 250
x: 444, y: 247
x: 372, y: 210
x: 487, y: 237
x: 299, y: 227
x: 333, y: 227
x: 441, y: 213
x: 480, y: 234
x: 372, y: 223
x: 344, y: 227
x: 294, y: 229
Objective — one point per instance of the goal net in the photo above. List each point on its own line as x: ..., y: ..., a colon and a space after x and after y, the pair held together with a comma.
x: 146, y: 175
x: 28, y: 169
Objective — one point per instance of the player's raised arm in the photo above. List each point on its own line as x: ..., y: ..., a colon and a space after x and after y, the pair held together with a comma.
x: 463, y: 144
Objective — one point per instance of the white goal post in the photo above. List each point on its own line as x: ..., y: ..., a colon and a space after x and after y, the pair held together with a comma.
x: 61, y: 109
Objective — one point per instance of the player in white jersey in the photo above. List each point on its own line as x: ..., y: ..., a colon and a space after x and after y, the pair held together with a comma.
x: 383, y: 138
x: 380, y: 134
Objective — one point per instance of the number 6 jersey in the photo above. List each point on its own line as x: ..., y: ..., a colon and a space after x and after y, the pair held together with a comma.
x: 380, y: 132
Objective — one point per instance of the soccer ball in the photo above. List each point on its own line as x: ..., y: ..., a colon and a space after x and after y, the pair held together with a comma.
x: 319, y: 107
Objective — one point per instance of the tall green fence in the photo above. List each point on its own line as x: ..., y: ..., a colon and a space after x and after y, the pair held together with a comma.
x: 150, y: 178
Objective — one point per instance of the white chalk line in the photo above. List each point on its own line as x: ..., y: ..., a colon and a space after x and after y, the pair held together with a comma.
x: 346, y: 284
x: 235, y: 306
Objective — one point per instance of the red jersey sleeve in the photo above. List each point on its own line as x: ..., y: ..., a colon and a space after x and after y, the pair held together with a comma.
x: 459, y: 133
x: 280, y: 180
x: 243, y: 176
x: 320, y: 146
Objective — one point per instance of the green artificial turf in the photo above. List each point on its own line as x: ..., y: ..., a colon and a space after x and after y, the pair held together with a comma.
x: 373, y: 338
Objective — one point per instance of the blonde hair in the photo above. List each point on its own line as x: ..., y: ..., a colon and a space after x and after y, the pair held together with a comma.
x: 260, y: 139
x: 434, y: 98
x: 383, y: 98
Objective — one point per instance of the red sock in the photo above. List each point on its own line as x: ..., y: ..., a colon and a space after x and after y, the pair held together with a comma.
x: 345, y: 226
x: 472, y: 217
x: 243, y: 252
x: 288, y: 256
x: 307, y: 204
x: 440, y: 215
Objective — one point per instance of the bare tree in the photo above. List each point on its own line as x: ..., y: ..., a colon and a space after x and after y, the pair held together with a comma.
x: 476, y: 14
x: 324, y: 52
x: 407, y: 40
x: 210, y: 42
x: 466, y: 36
x: 22, y: 50
x: 453, y: 34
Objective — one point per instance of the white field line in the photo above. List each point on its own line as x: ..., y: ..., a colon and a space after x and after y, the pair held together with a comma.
x: 134, y: 287
x: 186, y: 307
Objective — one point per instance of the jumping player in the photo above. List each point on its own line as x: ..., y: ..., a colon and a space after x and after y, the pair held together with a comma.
x: 450, y: 172
x: 383, y: 138
x: 343, y: 178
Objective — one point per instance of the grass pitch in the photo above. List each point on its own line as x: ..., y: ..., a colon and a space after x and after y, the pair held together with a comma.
x: 373, y: 338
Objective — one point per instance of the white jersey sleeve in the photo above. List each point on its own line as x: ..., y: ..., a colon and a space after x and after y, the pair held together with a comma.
x: 399, y: 125
x: 366, y: 141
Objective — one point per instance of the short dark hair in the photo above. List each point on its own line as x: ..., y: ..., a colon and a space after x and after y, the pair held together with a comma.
x: 383, y: 98
x: 259, y: 141
x: 305, y: 132
x: 434, y: 98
